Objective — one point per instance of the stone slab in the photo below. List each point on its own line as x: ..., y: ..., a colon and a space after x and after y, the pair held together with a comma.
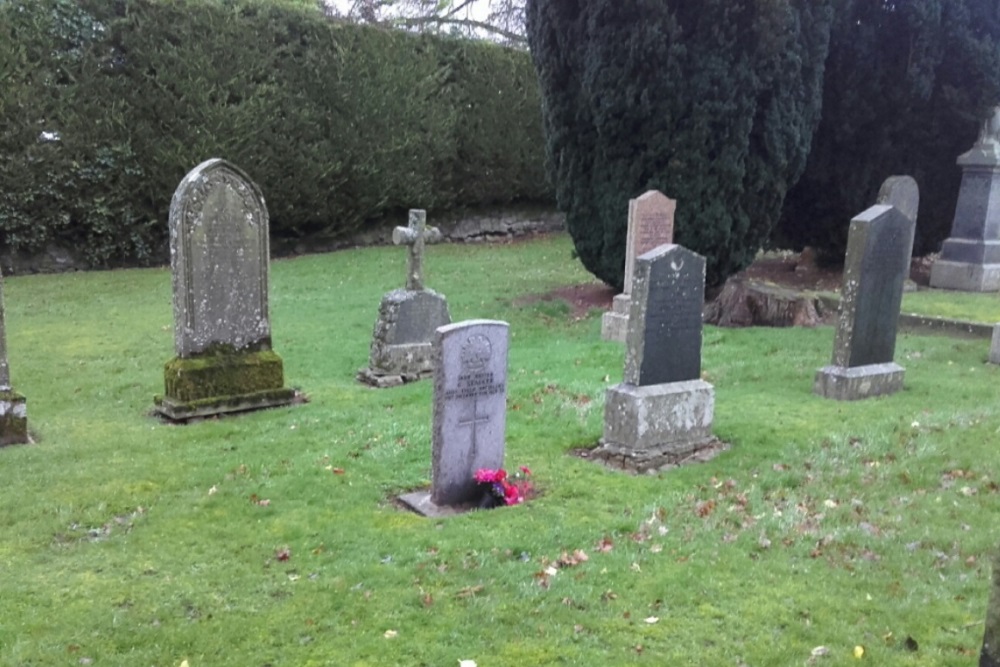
x: 219, y: 257
x: 421, y: 503
x: 667, y: 418
x: 181, y: 411
x: 859, y: 382
x: 879, y: 245
x: 470, y: 407
x: 663, y: 343
x: 13, y: 418
x: 995, y: 345
x: 965, y: 276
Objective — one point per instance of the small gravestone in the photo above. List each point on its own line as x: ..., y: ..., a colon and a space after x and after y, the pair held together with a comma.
x: 13, y: 406
x: 470, y: 414
x: 995, y: 345
x: 663, y: 410
x: 878, y: 259
x: 222, y: 333
x: 401, y: 349
x: 970, y: 257
x: 650, y: 225
x: 903, y: 193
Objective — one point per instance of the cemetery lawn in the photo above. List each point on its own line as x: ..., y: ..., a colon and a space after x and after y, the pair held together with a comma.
x: 829, y: 530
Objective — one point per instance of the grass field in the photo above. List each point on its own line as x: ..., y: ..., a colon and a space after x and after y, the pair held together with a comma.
x: 827, y: 530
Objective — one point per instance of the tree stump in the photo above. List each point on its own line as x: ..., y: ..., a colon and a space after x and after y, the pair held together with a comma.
x: 748, y: 303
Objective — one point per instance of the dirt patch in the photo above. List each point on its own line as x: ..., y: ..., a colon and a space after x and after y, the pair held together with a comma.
x: 580, y: 298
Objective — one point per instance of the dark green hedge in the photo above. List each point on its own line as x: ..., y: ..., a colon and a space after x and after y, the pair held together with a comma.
x: 340, y: 125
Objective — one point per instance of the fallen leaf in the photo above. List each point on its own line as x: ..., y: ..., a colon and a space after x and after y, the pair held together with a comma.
x: 213, y: 490
x: 390, y: 634
x: 184, y: 663
x: 859, y: 652
x: 651, y: 619
x: 819, y: 651
x: 467, y: 663
x: 605, y: 544
x: 338, y: 471
x: 283, y: 554
x: 910, y: 644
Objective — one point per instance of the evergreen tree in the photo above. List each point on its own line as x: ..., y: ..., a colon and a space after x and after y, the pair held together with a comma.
x: 713, y: 103
x: 906, y: 88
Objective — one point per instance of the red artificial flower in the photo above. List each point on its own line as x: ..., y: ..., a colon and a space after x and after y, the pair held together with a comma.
x: 525, y: 470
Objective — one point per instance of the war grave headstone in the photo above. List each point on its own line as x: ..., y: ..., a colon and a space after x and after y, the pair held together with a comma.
x: 970, y: 257
x: 662, y: 410
x: 219, y: 258
x: 650, y: 224
x: 879, y: 244
x: 401, y: 349
x: 13, y: 406
x: 469, y: 416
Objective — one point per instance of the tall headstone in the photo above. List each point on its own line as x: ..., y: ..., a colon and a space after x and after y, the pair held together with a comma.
x: 663, y: 409
x: 650, y: 225
x: 13, y: 406
x: 994, y: 356
x: 970, y: 257
x: 879, y: 244
x: 401, y: 349
x: 470, y: 414
x: 219, y: 258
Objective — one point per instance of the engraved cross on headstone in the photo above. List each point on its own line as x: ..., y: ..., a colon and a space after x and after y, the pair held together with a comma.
x: 474, y: 421
x: 415, y: 236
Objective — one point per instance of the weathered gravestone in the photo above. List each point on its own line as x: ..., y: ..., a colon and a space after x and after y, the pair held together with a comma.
x: 994, y: 355
x: 903, y: 193
x: 470, y: 414
x: 650, y: 225
x: 222, y: 333
x: 879, y: 244
x: 970, y: 257
x: 663, y: 409
x: 13, y: 406
x: 401, y: 349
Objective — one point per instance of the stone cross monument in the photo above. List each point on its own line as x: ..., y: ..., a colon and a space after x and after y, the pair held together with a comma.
x: 407, y: 318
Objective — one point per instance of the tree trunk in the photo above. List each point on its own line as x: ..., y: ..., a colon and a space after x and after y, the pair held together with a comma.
x: 990, y: 656
x: 747, y: 303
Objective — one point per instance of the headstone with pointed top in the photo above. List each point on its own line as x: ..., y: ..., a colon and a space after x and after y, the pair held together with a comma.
x: 970, y: 257
x: 13, y: 406
x: 663, y: 410
x: 219, y: 257
x: 401, y: 349
x: 470, y: 414
x: 650, y: 224
x: 878, y: 259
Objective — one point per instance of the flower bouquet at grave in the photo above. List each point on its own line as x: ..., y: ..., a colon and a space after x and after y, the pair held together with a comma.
x: 502, y: 489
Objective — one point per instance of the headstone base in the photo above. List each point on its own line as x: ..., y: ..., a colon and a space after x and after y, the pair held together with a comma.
x: 421, y: 503
x: 658, y: 420
x: 614, y: 323
x: 843, y: 383
x: 211, y: 384
x: 382, y: 381
x: 401, y: 349
x: 965, y: 276
x: 995, y: 345
x: 13, y: 418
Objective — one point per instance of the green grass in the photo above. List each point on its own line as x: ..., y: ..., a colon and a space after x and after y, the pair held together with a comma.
x: 965, y: 306
x: 129, y: 542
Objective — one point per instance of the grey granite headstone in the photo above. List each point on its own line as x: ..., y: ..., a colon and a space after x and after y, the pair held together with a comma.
x: 663, y: 343
x: 663, y: 410
x: 401, y: 349
x: 650, y: 224
x: 970, y: 257
x: 878, y: 259
x: 903, y: 193
x: 470, y: 413
x: 219, y: 257
x: 13, y: 406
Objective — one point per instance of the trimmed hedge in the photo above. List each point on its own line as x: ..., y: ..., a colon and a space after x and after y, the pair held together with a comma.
x: 340, y: 125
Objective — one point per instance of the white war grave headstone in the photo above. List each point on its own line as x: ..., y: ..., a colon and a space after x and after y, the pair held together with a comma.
x: 469, y: 417
x: 650, y: 224
x: 219, y: 258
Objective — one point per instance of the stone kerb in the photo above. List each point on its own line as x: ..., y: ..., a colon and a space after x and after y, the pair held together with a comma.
x: 650, y: 224
x: 401, y: 349
x: 469, y: 414
x: 663, y: 409
x: 878, y: 259
x: 219, y: 258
